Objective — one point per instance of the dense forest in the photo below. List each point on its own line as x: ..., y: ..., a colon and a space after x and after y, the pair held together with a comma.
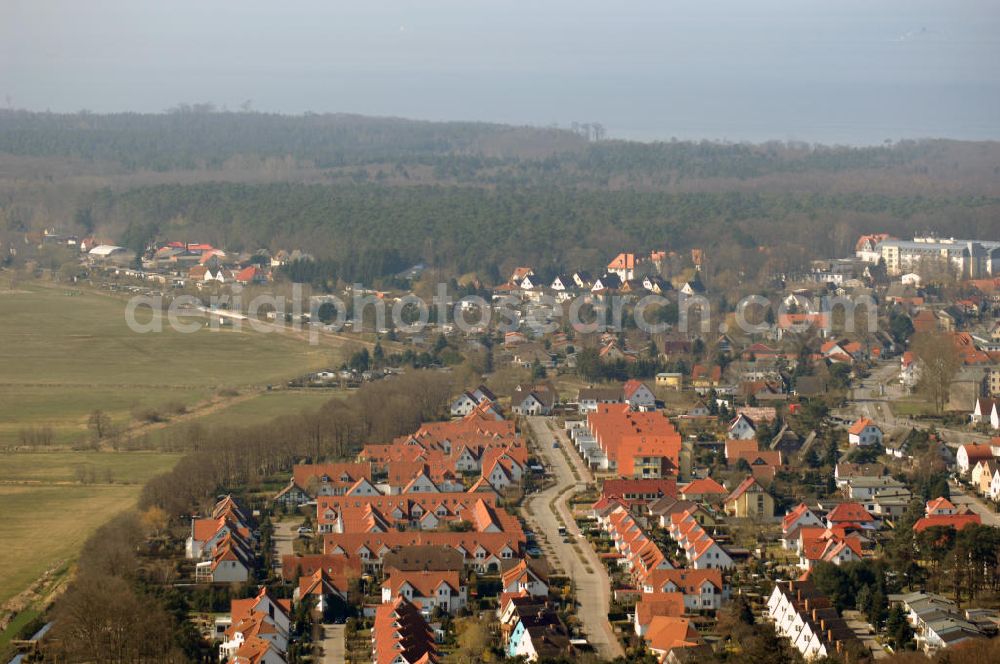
x: 371, y: 196
x: 191, y: 137
x: 466, y: 229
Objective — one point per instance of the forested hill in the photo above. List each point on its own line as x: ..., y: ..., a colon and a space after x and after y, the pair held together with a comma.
x: 217, y: 143
x: 370, y: 196
x: 192, y: 138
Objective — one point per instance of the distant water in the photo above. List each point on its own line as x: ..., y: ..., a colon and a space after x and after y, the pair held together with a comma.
x: 851, y: 71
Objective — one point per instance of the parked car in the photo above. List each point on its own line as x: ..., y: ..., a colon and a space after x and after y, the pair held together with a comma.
x: 305, y: 532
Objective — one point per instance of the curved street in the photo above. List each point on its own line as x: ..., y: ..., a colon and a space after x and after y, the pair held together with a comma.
x: 593, y: 590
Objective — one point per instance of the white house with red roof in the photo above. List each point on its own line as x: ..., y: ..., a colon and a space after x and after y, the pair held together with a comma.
x: 703, y: 589
x: 909, y: 370
x: 400, y: 635
x: 851, y: 513
x: 638, y: 395
x: 322, y: 588
x: 969, y: 455
x: 522, y: 578
x: 793, y: 522
x: 864, y: 432
x: 704, y: 489
x: 262, y: 617
x: 940, y: 506
x: 627, y: 266
x: 428, y: 590
x: 827, y: 545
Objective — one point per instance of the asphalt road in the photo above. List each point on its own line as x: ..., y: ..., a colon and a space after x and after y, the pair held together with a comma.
x: 963, y: 496
x: 868, y: 400
x: 593, y: 590
x: 284, y: 535
x: 332, y: 645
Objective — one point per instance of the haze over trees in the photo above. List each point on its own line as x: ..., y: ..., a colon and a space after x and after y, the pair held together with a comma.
x: 369, y: 197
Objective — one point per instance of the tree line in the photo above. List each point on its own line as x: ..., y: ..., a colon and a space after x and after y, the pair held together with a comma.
x: 366, y: 230
x: 221, y: 457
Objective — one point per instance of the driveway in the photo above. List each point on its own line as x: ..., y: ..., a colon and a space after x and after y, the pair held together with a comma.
x: 332, y: 645
x: 593, y: 590
x: 962, y: 496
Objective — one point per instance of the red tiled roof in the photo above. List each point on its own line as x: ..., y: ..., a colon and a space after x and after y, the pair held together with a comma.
x: 956, y: 521
x: 658, y: 604
x: 859, y: 426
x: 703, y: 485
x: 849, y: 512
x: 940, y: 503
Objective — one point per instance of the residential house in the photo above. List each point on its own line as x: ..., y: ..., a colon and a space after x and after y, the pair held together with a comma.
x: 589, y: 398
x: 669, y: 638
x: 957, y: 521
x: 539, y: 635
x: 802, y: 614
x: 533, y: 402
x: 705, y: 490
x: 864, y: 432
x: 742, y: 428
x: 627, y: 266
x: 653, y: 604
x: 986, y: 411
x: 671, y: 380
x: 703, y: 590
x: 845, y: 472
x: 400, y: 635
x: 523, y: 578
x: 638, y: 491
x: 261, y: 617
x: 635, y: 444
x: 705, y: 378
x: 323, y: 590
x: 969, y: 455
x: 426, y: 590
x: 638, y: 395
x: 749, y: 500
x: 793, y: 522
x: 467, y: 401
x: 609, y: 282
x: 937, y: 621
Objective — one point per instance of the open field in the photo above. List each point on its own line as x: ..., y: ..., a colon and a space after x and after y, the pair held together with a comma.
x: 65, y: 355
x: 268, y: 405
x: 61, y: 466
x: 40, y: 495
x: 45, y: 525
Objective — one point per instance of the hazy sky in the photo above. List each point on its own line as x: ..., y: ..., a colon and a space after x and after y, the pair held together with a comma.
x: 853, y: 71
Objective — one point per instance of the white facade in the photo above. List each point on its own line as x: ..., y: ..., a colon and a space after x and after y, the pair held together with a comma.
x: 869, y: 435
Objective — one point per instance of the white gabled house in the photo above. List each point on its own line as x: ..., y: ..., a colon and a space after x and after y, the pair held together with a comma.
x: 864, y: 432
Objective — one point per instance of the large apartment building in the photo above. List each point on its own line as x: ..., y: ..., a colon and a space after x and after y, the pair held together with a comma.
x: 971, y: 259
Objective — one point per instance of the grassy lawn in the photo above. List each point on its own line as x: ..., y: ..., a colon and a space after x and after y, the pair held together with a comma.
x: 911, y: 408
x: 42, y: 526
x: 64, y: 356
